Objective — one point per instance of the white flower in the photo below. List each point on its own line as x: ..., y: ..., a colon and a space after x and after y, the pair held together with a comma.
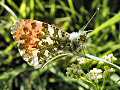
x: 112, y: 70
x: 110, y: 57
x: 81, y: 60
x: 95, y: 74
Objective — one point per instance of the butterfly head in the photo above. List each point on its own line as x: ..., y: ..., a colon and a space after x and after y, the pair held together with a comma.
x: 79, y: 37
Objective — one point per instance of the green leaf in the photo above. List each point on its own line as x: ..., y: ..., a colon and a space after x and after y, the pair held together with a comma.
x: 113, y: 20
x: 22, y: 9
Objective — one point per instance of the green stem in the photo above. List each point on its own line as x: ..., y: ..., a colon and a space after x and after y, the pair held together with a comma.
x: 8, y: 9
x: 56, y: 58
x: 102, y: 60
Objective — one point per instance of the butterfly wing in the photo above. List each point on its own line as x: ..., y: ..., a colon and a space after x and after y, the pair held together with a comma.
x: 38, y: 41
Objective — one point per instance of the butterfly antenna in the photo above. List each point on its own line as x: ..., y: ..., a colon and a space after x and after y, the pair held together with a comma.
x: 83, y: 28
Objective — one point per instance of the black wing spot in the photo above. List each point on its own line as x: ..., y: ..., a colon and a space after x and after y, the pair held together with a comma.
x: 33, y: 25
x: 45, y: 25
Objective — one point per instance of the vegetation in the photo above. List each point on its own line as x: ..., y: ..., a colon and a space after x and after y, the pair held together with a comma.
x: 99, y: 69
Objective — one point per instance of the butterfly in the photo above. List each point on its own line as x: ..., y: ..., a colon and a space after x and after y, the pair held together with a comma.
x: 38, y: 41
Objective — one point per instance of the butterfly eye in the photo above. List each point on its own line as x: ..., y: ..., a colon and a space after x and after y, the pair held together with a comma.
x: 83, y: 38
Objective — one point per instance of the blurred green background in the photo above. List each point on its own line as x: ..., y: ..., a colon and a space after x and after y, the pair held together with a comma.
x: 71, y: 15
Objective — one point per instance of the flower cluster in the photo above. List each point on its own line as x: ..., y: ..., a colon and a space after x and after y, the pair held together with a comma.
x: 95, y: 74
x: 110, y: 58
